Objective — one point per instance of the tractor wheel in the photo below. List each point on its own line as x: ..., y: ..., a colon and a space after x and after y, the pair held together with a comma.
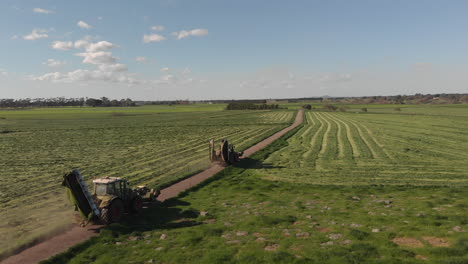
x: 152, y: 196
x: 113, y: 213
x: 224, y: 151
x: 137, y: 204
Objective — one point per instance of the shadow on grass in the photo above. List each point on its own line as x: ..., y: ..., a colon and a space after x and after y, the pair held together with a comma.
x: 249, y: 163
x: 155, y: 216
x: 270, y: 166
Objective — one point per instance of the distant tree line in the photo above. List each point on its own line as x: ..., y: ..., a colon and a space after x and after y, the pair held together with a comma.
x: 250, y: 106
x: 402, y: 99
x: 441, y: 98
x: 62, y: 101
x: 174, y: 102
x: 242, y: 104
x: 105, y: 102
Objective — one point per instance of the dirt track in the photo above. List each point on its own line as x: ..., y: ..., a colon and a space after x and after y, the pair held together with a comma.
x: 78, y: 234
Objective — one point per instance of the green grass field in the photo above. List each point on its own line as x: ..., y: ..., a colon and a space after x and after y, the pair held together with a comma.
x: 343, y: 188
x: 368, y: 148
x: 153, y: 145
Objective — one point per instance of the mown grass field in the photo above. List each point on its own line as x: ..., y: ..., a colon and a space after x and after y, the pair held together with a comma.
x: 356, y: 188
x: 374, y: 148
x: 148, y: 145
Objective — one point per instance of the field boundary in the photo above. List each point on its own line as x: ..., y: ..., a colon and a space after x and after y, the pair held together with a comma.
x: 77, y: 235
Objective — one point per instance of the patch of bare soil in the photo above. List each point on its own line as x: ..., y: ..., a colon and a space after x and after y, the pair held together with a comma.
x: 323, y: 229
x: 437, y: 241
x: 273, y: 247
x: 408, y: 242
x: 298, y: 248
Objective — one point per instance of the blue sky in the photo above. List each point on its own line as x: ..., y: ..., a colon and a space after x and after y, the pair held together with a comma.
x: 231, y: 49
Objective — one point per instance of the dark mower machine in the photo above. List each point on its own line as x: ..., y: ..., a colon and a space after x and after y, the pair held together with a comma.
x: 225, y: 153
x: 111, y: 199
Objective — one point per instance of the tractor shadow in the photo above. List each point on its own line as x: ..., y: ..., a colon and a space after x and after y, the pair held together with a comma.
x: 249, y: 163
x: 157, y: 215
x: 168, y: 214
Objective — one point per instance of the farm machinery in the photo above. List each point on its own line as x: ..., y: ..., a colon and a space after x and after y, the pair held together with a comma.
x: 111, y: 199
x: 225, y: 153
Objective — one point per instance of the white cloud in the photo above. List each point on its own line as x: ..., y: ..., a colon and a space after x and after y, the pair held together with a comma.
x: 99, y: 17
x: 81, y: 44
x: 82, y: 75
x: 14, y: 37
x: 107, y: 69
x: 158, y: 28
x: 187, y: 33
x: 3, y: 72
x: 36, y: 34
x: 83, y: 24
x: 113, y: 67
x: 62, y: 45
x: 54, y: 63
x: 51, y: 76
x: 97, y: 58
x: 140, y: 59
x: 99, y: 46
x: 42, y: 11
x: 199, y: 32
x: 168, y: 77
x: 153, y: 38
x: 96, y: 53
x: 176, y: 77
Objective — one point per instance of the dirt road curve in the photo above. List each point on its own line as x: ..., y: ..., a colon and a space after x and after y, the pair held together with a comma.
x: 78, y: 234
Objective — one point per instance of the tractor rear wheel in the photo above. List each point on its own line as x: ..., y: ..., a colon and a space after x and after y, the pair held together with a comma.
x: 113, y: 213
x: 137, y: 204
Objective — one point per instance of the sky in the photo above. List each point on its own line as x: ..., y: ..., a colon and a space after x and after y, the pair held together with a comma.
x: 224, y: 49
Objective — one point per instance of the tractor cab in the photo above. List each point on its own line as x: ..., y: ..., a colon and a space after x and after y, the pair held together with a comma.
x: 113, y: 193
x: 110, y: 186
